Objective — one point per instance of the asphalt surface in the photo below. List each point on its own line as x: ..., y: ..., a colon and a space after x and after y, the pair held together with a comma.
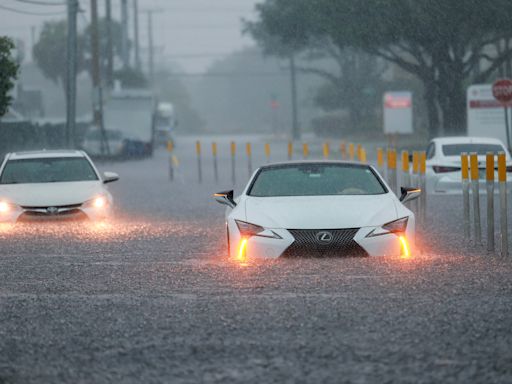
x: 150, y: 297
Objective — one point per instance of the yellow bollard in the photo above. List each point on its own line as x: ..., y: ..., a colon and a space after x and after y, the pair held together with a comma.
x: 233, y: 154
x: 363, y: 156
x: 305, y: 150
x: 343, y: 150
x: 392, y: 169
x: 406, y: 182
x: 290, y: 150
x: 215, y: 167
x: 248, y: 150
x: 380, y: 159
x: 267, y: 151
x: 464, y: 162
x: 502, y: 179
x: 358, y: 151
x: 473, y: 162
x: 326, y: 150
x: 351, y: 151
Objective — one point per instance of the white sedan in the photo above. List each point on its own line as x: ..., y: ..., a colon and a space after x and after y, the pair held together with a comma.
x: 444, y: 165
x: 318, y: 209
x: 48, y: 185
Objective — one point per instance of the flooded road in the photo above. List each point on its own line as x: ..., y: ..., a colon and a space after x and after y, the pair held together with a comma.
x: 150, y: 296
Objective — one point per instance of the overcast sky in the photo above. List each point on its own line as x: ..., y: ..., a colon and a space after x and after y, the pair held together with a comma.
x: 191, y: 33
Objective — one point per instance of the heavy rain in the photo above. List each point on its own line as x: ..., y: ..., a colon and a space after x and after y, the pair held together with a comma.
x: 360, y: 153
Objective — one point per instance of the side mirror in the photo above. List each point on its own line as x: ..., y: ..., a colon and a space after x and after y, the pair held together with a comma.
x: 225, y: 198
x: 409, y: 194
x: 109, y: 177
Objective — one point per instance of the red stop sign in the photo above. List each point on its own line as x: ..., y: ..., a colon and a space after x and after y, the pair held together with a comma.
x: 502, y: 90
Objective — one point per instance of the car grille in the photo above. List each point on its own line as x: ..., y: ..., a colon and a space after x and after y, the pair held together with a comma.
x: 307, y: 244
x: 71, y: 214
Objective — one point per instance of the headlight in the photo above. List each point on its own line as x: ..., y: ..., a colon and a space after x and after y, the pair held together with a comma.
x: 6, y: 207
x: 248, y: 230
x: 98, y: 202
x: 398, y: 227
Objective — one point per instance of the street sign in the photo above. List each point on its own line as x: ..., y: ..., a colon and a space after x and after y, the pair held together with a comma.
x: 502, y: 90
x: 398, y: 112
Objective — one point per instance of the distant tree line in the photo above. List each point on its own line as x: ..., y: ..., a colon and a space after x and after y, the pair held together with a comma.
x: 446, y: 45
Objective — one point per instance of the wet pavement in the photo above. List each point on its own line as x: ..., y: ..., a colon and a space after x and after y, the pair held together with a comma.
x: 150, y: 297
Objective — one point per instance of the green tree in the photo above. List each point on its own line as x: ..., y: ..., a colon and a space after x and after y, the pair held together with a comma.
x: 8, y: 72
x: 50, y: 52
x: 445, y: 44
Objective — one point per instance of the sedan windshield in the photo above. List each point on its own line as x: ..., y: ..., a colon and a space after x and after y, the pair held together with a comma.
x: 479, y: 148
x: 48, y: 170
x: 316, y: 180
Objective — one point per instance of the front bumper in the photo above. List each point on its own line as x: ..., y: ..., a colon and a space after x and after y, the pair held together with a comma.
x: 44, y: 214
x: 289, y: 245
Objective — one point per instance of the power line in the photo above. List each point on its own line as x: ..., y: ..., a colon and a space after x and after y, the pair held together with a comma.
x: 31, y: 13
x: 37, y: 2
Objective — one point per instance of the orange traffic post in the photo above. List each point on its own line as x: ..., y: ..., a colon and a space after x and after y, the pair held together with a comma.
x: 358, y: 151
x: 248, y: 151
x: 170, y: 149
x: 233, y: 162
x: 351, y: 151
x: 406, y: 182
x: 343, y: 150
x: 475, y: 186
x: 267, y: 151
x: 363, y: 156
x: 326, y: 150
x: 392, y: 169
x: 215, y: 167
x: 199, y: 167
x: 290, y: 150
x: 464, y: 161
x: 380, y: 160
x: 502, y: 179
x: 305, y: 150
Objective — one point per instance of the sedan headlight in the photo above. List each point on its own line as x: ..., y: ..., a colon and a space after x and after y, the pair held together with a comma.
x: 99, y: 202
x: 397, y: 227
x: 249, y: 230
x: 6, y: 207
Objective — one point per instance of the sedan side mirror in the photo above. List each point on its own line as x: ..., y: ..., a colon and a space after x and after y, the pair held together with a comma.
x: 409, y: 194
x: 225, y: 198
x: 109, y: 177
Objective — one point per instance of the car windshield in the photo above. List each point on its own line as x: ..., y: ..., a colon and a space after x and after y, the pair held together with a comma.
x: 479, y: 148
x: 47, y: 170
x: 316, y: 180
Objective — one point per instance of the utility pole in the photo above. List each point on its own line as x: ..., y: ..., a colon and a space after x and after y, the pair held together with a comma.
x: 150, y: 47
x: 124, y: 27
x: 96, y: 78
x: 110, y: 48
x: 136, y: 32
x: 72, y: 8
x: 293, y: 81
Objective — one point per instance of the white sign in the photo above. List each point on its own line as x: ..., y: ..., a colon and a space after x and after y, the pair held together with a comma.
x: 486, y: 116
x: 398, y: 112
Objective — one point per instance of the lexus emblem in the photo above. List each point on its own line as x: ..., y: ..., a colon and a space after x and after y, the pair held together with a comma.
x: 52, y: 210
x: 324, y: 237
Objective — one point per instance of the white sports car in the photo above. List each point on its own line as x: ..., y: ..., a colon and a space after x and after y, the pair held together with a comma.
x: 444, y: 164
x: 47, y: 185
x: 318, y: 209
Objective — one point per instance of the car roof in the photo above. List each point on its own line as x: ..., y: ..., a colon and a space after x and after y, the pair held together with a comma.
x: 44, y: 154
x: 305, y: 162
x: 467, y: 140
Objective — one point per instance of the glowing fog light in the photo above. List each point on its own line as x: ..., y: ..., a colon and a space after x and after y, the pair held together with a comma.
x: 4, y: 207
x: 406, y: 253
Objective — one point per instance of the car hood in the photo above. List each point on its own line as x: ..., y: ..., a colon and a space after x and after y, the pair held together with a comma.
x: 320, y: 212
x: 50, y: 194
